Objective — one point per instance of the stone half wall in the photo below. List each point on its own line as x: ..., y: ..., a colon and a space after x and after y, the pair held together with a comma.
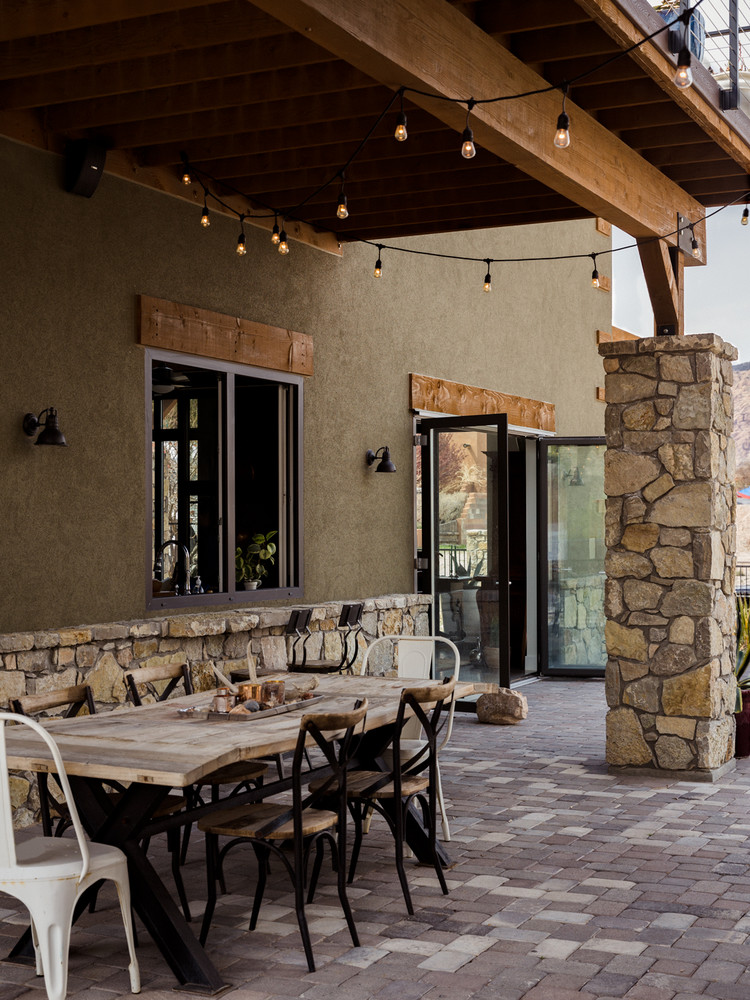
x: 98, y: 655
x: 670, y: 535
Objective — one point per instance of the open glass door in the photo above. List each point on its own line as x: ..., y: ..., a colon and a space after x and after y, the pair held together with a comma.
x: 462, y: 540
x: 572, y: 550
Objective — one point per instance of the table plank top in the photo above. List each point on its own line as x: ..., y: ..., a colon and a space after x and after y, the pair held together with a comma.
x: 153, y: 744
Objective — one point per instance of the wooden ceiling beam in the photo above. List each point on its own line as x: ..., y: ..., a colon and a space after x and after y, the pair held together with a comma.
x: 508, y: 16
x: 620, y: 71
x: 246, y: 90
x: 603, y: 97
x: 627, y: 21
x: 685, y: 172
x: 699, y: 152
x: 643, y: 116
x: 185, y: 130
x: 390, y: 230
x: 21, y: 19
x: 129, y: 76
x: 428, y: 45
x: 730, y: 188
x: 140, y: 38
x: 658, y: 136
x: 569, y: 42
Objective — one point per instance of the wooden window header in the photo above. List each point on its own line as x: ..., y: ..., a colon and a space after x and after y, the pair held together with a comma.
x: 438, y: 395
x: 171, y: 326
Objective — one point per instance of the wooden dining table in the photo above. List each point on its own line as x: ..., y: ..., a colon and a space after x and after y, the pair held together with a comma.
x: 155, y: 748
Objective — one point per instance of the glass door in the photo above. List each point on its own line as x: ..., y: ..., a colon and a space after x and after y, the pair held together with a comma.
x: 572, y: 550
x: 462, y: 538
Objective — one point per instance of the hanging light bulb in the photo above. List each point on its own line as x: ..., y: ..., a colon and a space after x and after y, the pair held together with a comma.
x: 241, y: 248
x: 283, y: 245
x: 378, y: 264
x: 562, y: 134
x: 745, y: 215
x: 684, y: 75
x: 187, y: 180
x: 487, y: 278
x: 594, y: 273
x: 468, y: 149
x: 400, y: 134
x: 275, y: 238
x: 205, y: 220
x: 695, y: 247
x: 342, y: 212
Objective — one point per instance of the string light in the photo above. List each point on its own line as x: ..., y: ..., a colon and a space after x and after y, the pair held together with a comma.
x: 562, y: 135
x: 488, y: 276
x: 283, y: 244
x: 187, y: 180
x: 342, y: 211
x: 745, y: 215
x: 594, y: 273
x: 400, y: 134
x: 694, y: 245
x: 684, y: 75
x: 468, y: 149
x: 205, y: 220
x: 241, y: 248
x: 275, y: 238
x: 378, y: 263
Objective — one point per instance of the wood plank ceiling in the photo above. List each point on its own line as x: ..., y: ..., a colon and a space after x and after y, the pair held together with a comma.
x: 265, y: 110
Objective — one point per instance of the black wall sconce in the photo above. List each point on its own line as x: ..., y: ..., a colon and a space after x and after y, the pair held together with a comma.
x: 51, y: 433
x: 385, y: 464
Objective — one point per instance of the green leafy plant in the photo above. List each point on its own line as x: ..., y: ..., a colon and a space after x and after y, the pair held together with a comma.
x: 250, y: 564
x: 742, y: 666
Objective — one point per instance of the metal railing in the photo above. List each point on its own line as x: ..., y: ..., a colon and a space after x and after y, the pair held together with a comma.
x: 742, y: 579
x: 719, y: 35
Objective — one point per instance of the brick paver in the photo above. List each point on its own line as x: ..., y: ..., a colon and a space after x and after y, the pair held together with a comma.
x: 568, y: 883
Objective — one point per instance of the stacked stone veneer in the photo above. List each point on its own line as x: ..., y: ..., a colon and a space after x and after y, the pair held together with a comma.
x: 99, y: 655
x: 670, y: 534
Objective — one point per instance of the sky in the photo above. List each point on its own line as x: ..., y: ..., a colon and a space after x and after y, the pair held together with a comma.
x: 716, y: 295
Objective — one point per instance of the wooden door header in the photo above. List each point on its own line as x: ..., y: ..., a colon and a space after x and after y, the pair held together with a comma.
x: 171, y: 326
x: 438, y: 395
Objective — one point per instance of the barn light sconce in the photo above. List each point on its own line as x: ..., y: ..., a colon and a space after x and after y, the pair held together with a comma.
x: 51, y: 433
x: 385, y: 464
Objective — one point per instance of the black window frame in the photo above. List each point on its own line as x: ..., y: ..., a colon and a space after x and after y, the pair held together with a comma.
x: 294, y: 497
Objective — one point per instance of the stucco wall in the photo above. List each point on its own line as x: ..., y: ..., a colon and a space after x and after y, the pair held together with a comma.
x: 72, y: 547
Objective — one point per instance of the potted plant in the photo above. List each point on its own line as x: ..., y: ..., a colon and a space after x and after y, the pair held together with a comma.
x: 250, y: 565
x: 742, y: 674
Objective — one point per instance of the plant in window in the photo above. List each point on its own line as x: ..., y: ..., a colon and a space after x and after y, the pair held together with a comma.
x: 250, y: 565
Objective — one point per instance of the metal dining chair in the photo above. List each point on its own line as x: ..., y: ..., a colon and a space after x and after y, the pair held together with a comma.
x: 349, y: 625
x: 416, y: 657
x: 312, y: 821
x: 49, y: 874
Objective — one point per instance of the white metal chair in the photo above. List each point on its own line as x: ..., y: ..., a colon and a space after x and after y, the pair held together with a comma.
x: 416, y: 658
x: 49, y: 874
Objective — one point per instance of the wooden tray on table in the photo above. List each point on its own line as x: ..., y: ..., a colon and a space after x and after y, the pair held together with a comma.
x: 264, y: 713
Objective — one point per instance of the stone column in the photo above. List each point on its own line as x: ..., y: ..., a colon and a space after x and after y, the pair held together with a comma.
x: 670, y: 535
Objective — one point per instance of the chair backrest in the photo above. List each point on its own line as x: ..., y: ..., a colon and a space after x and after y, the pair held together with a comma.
x: 335, y: 734
x: 7, y: 836
x: 73, y: 698
x: 431, y: 722
x: 416, y: 658
x: 173, y: 672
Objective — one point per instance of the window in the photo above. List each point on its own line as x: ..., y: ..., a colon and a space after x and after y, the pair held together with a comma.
x: 225, y: 467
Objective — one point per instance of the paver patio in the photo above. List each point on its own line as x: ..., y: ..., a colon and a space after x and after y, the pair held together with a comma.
x: 568, y: 882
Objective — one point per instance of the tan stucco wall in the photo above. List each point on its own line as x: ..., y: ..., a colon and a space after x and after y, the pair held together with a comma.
x: 72, y: 548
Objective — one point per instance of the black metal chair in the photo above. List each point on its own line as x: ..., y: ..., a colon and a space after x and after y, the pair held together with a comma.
x: 240, y: 774
x: 350, y: 625
x: 391, y: 793
x: 74, y: 700
x: 305, y: 825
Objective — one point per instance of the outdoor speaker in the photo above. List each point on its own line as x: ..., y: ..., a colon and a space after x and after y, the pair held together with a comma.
x: 84, y: 166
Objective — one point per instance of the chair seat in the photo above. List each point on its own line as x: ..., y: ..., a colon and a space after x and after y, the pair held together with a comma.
x: 245, y: 821
x: 316, y: 667
x: 58, y: 858
x: 358, y: 783
x: 241, y: 770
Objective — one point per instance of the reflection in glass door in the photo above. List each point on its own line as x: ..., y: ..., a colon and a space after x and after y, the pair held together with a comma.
x: 462, y: 474
x: 572, y: 521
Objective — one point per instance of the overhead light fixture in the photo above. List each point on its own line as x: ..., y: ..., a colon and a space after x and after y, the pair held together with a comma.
x: 745, y: 215
x: 594, y: 273
x: 400, y: 134
x: 205, y: 217
x: 164, y: 379
x: 51, y: 433
x: 378, y: 263
x: 683, y: 78
x: 283, y: 242
x: 385, y: 465
x: 562, y: 134
x: 488, y: 278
